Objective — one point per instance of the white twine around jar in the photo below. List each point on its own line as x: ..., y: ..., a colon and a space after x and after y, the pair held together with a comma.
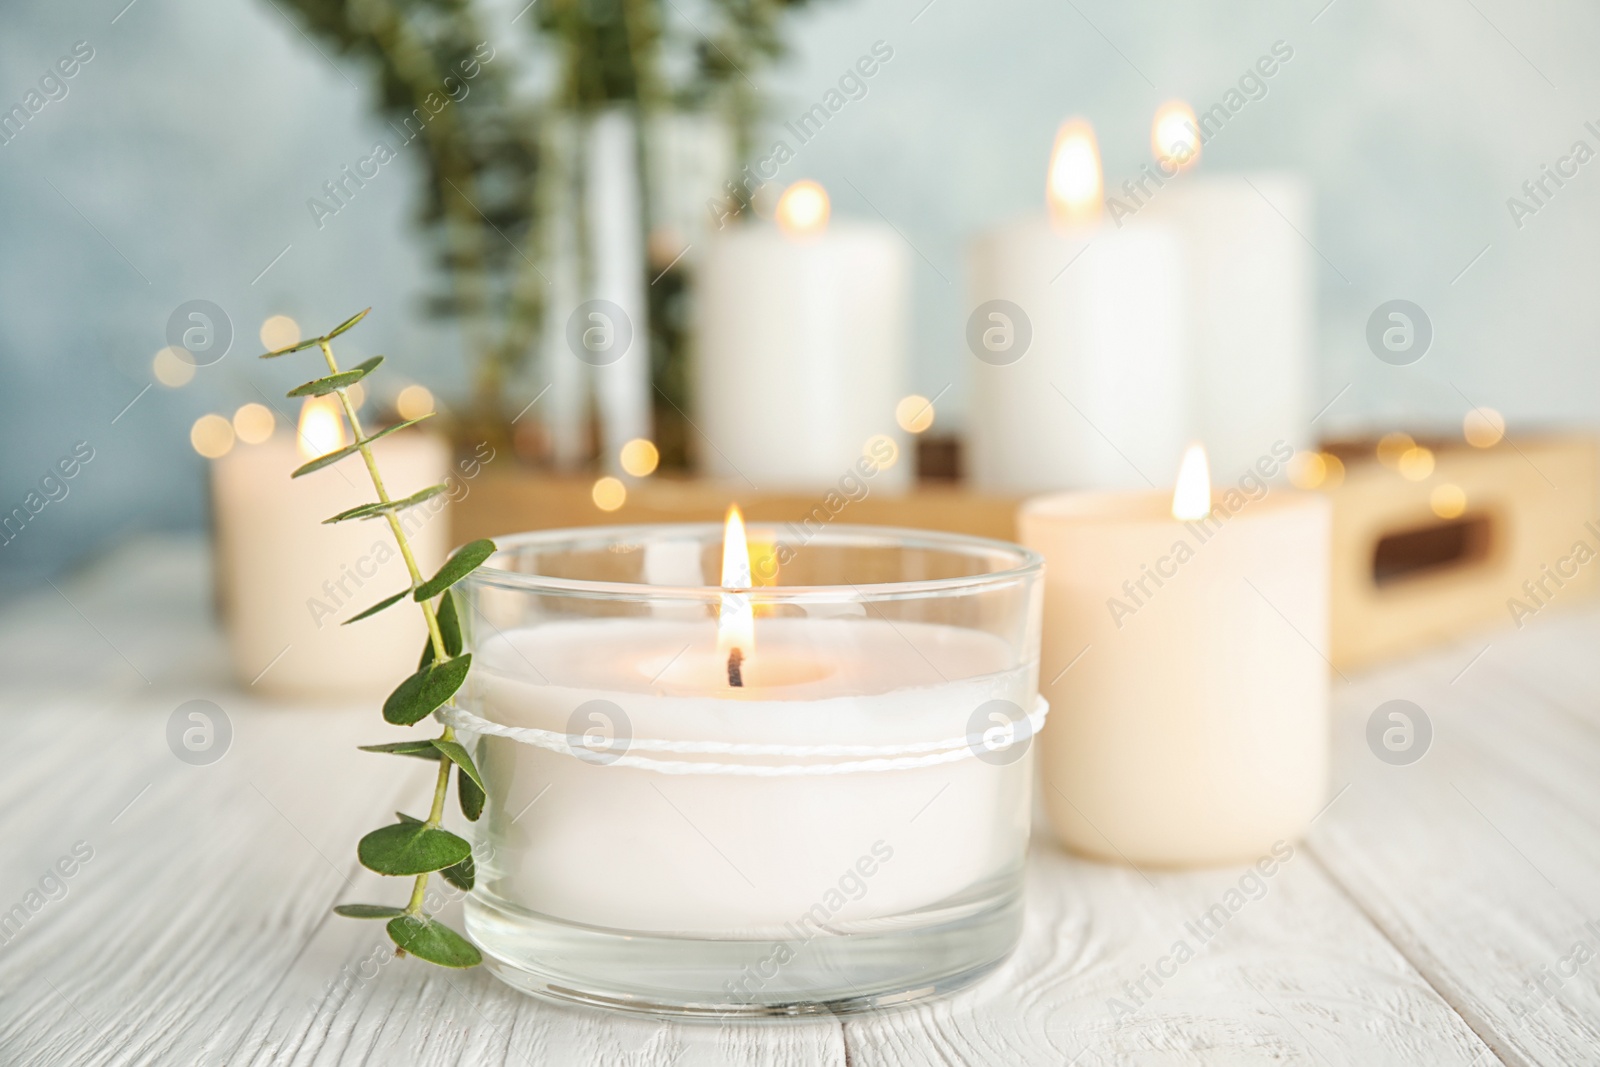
x: 990, y: 743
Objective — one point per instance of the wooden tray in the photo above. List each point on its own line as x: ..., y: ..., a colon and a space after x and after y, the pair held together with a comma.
x: 1404, y: 578
x: 505, y: 502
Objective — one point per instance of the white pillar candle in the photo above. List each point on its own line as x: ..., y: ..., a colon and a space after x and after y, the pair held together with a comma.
x: 1081, y: 376
x: 626, y: 848
x: 800, y: 353
x: 615, y: 217
x: 1185, y: 664
x: 1244, y: 239
x: 289, y: 581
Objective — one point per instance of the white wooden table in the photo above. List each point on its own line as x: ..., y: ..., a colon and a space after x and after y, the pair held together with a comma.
x: 1410, y: 927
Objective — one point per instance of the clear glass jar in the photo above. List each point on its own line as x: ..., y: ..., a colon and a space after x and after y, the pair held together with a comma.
x: 836, y: 821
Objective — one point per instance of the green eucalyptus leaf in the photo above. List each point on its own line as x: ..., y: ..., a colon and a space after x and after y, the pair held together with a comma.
x: 388, y: 601
x: 326, y: 460
x: 324, y: 386
x: 396, y: 428
x: 376, y: 508
x: 433, y: 941
x: 417, y: 697
x: 449, y: 623
x: 276, y: 352
x: 345, y: 325
x: 368, y: 911
x: 467, y: 559
x: 470, y: 796
x: 360, y: 511
x: 419, y: 749
x: 449, y: 629
x: 458, y: 755
x: 408, y: 848
x: 462, y: 875
x: 350, y: 450
x: 419, y: 496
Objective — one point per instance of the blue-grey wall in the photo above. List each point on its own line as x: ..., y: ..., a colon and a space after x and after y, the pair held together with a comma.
x: 179, y: 164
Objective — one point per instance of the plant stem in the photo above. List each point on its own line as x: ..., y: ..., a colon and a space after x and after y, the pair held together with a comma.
x: 441, y: 784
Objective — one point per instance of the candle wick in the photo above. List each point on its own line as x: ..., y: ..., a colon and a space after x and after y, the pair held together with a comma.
x: 735, y: 675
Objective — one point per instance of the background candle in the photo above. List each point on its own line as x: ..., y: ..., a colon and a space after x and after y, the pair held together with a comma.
x: 1190, y: 689
x: 615, y: 213
x: 800, y: 351
x: 1249, y: 309
x: 288, y: 581
x: 1247, y: 257
x: 1083, y: 382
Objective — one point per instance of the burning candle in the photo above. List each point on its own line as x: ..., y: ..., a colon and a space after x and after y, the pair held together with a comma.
x: 1249, y: 317
x: 681, y: 773
x: 286, y: 581
x: 1184, y: 647
x: 1077, y: 326
x: 801, y: 339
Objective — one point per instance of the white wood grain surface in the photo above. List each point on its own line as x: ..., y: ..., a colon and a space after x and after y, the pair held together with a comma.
x: 1409, y: 928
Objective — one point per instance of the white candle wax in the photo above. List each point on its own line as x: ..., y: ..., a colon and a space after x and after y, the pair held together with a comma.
x: 287, y: 581
x: 1250, y: 309
x: 629, y: 848
x: 614, y: 216
x: 1190, y: 717
x: 1098, y: 398
x: 801, y: 351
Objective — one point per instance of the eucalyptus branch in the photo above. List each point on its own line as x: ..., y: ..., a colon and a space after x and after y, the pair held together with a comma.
x: 411, y: 847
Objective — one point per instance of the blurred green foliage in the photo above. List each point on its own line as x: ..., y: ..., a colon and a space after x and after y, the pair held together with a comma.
x: 481, y: 102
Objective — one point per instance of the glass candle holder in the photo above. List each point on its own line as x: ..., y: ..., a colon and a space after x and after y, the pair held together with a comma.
x: 833, y: 818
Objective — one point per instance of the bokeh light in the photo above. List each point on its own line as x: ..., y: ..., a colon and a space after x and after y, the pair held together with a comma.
x: 1483, y: 427
x: 279, y: 331
x: 914, y: 413
x: 1391, y: 446
x: 414, y: 402
x: 882, y: 445
x: 254, y: 423
x: 1448, y: 501
x: 640, y: 457
x: 171, y: 369
x: 211, y: 435
x: 1415, y: 463
x: 609, y: 493
x: 1307, y: 470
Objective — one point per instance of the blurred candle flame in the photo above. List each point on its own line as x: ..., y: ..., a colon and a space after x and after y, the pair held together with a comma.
x: 803, y: 209
x: 1074, y: 189
x: 736, y: 627
x: 1191, y: 499
x: 1175, y: 135
x: 321, y: 428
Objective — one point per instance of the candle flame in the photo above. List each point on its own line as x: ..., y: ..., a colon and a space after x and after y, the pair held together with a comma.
x: 1191, y: 499
x: 1175, y: 135
x: 1074, y: 188
x: 803, y: 209
x: 321, y: 428
x: 736, y: 627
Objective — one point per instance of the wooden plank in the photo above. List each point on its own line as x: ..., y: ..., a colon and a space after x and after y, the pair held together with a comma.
x: 1481, y: 861
x: 1295, y: 975
x: 199, y: 931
